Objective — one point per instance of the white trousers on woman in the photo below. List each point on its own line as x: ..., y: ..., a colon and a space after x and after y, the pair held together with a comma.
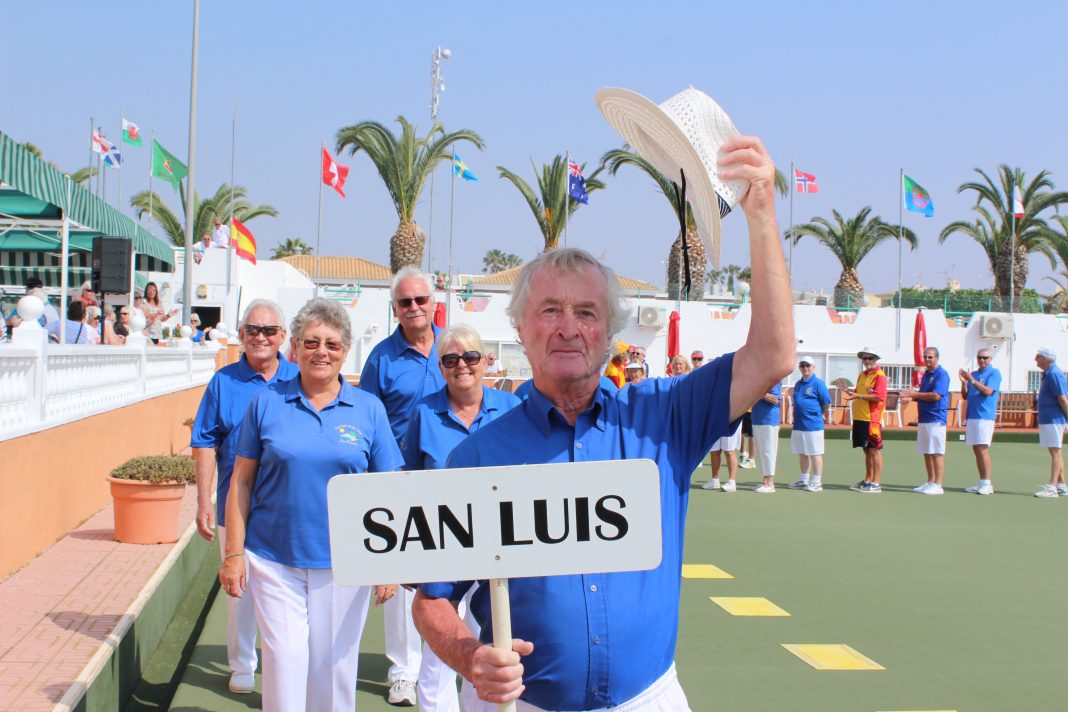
x: 240, y: 624
x: 404, y: 647
x: 310, y: 630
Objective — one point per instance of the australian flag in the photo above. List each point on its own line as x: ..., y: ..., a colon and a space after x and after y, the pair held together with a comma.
x: 576, y: 184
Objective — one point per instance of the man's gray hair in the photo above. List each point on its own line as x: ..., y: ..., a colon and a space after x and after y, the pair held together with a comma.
x: 264, y: 304
x: 983, y: 351
x: 407, y: 273
x: 933, y: 348
x: 322, y: 311
x: 570, y: 260
x: 463, y: 334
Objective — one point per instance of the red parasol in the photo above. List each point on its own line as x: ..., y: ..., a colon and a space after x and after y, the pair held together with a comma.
x: 673, y: 338
x: 439, y: 315
x: 919, y: 345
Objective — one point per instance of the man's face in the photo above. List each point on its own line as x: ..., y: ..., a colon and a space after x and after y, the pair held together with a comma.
x: 638, y: 356
x: 564, y: 327
x: 930, y: 360
x: 1042, y: 362
x: 806, y: 370
x: 634, y: 375
x: 414, y: 317
x: 982, y: 359
x: 870, y: 362
x: 218, y: 222
x: 260, y: 345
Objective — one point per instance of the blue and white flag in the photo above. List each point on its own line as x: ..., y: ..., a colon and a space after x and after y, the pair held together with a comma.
x: 113, y: 159
x: 459, y: 168
x: 576, y: 184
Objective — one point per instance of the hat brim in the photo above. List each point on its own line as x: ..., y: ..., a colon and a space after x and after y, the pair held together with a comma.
x: 656, y: 138
x: 862, y: 354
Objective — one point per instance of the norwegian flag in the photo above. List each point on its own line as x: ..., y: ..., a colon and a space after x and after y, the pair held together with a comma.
x: 576, y: 184
x: 101, y: 145
x: 334, y: 174
x: 805, y: 182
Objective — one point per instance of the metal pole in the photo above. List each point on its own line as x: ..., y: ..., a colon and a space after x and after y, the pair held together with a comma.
x: 64, y: 276
x: 435, y: 98
x: 92, y: 130
x: 119, y: 199
x: 1012, y: 255
x: 187, y: 286
x: 452, y: 214
x: 151, y: 165
x: 793, y: 189
x: 567, y: 201
x: 319, y: 227
x: 233, y: 160
x: 900, y: 237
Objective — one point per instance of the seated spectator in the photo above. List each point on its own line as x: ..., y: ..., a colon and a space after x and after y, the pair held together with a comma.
x: 492, y: 367
x: 198, y: 335
x: 122, y: 325
x: 110, y: 337
x: 92, y: 322
x: 77, y: 332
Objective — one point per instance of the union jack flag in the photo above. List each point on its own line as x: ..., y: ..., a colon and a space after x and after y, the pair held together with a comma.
x: 576, y: 184
x: 805, y: 182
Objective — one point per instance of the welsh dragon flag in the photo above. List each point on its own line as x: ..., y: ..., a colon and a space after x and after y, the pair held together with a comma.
x: 131, y: 134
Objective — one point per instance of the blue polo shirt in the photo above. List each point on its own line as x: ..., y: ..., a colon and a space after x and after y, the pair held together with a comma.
x: 982, y: 407
x: 1052, y: 387
x: 218, y: 421
x: 398, y: 375
x: 434, y: 430
x: 765, y: 413
x: 523, y: 391
x: 299, y: 449
x: 601, y: 639
x: 936, y: 381
x: 810, y: 398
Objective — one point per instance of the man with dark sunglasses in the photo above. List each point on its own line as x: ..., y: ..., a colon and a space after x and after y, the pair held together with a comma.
x: 868, y: 399
x: 980, y: 388
x: 401, y: 370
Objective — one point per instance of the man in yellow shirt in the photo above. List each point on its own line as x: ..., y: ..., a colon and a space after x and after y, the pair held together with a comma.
x: 868, y: 399
x: 614, y: 371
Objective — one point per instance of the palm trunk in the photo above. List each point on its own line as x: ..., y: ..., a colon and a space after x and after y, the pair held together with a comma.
x: 849, y: 292
x: 698, y: 267
x: 406, y: 247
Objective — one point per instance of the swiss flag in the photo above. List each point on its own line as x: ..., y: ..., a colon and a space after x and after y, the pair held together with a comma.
x: 334, y: 174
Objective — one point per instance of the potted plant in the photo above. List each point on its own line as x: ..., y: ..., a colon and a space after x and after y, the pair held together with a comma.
x: 147, y: 492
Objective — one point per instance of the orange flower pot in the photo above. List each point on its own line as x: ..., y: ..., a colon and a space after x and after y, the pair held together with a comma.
x: 146, y: 513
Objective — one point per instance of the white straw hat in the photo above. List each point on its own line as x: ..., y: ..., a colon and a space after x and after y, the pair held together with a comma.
x: 684, y: 133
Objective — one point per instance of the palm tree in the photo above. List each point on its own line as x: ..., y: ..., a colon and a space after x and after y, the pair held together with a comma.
x: 83, y: 174
x: 497, y: 260
x: 714, y: 278
x: 404, y: 164
x: 32, y: 149
x: 204, y: 212
x: 850, y: 240
x: 993, y: 230
x: 733, y: 274
x: 548, y: 204
x: 292, y: 246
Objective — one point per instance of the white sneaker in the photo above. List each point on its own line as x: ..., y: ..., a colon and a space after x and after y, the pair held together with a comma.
x: 800, y: 484
x: 1062, y: 489
x: 814, y: 486
x: 933, y: 488
x: 712, y: 484
x: 242, y: 683
x: 974, y: 489
x: 402, y: 694
x: 746, y: 463
x: 729, y: 486
x: 922, y: 489
x: 1047, y: 491
x: 764, y: 489
x: 985, y: 488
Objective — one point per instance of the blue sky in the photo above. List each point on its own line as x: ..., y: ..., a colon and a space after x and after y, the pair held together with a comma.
x: 850, y: 92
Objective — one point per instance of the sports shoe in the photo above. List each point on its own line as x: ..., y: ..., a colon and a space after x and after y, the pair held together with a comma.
x: 861, y: 486
x: 764, y: 489
x: 974, y: 489
x: 933, y: 488
x: 814, y: 486
x: 402, y: 694
x: 800, y: 484
x: 872, y: 488
x: 985, y: 488
x: 712, y: 484
x: 1062, y: 489
x: 729, y: 486
x: 1047, y: 491
x: 242, y: 683
x: 746, y: 463
x: 922, y: 489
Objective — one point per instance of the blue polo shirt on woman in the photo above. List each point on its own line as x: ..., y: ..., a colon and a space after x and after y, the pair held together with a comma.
x: 810, y: 398
x: 1053, y: 386
x: 602, y: 639
x: 982, y: 407
x: 936, y: 381
x: 299, y: 449
x: 434, y: 430
x: 218, y: 421
x: 765, y: 413
x: 398, y: 374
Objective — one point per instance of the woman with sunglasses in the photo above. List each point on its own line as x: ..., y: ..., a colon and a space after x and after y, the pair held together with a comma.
x: 295, y: 436
x: 439, y: 423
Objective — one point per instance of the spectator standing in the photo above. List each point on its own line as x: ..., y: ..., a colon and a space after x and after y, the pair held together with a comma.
x: 697, y: 358
x: 198, y: 334
x: 87, y: 296
x: 493, y: 368
x: 726, y: 446
x: 811, y: 401
x: 767, y: 416
x: 614, y: 371
x: 155, y: 313
x: 980, y: 389
x: 122, y: 324
x: 679, y: 365
x: 92, y: 322
x: 1052, y: 416
x: 633, y: 373
x: 868, y: 400
x: 932, y: 402
x: 220, y: 236
x: 637, y: 355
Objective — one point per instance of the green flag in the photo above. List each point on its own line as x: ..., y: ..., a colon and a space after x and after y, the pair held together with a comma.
x: 166, y: 166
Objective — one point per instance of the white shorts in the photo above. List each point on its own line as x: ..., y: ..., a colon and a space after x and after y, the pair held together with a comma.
x: 1051, y: 435
x: 931, y: 439
x: 766, y: 444
x: 806, y: 442
x: 730, y: 442
x: 979, y: 432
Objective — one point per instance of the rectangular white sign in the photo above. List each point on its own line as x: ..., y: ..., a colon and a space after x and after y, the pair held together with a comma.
x: 495, y: 522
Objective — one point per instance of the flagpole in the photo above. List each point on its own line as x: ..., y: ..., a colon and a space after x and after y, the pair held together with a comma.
x: 104, y: 195
x: 567, y: 180
x: 452, y: 215
x: 319, y: 227
x: 151, y: 163
x: 187, y: 286
x: 1012, y: 256
x: 900, y: 236
x: 92, y: 130
x: 233, y: 160
x: 119, y: 199
x: 793, y: 189
x: 64, y: 277
x: 430, y: 227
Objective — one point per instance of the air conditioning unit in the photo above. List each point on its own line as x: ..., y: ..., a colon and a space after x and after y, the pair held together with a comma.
x: 995, y: 326
x: 651, y: 316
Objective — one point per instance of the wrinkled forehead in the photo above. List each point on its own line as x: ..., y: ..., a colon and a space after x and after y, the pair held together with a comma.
x: 582, y: 287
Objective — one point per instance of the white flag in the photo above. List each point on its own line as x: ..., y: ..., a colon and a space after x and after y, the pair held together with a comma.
x: 1017, y: 202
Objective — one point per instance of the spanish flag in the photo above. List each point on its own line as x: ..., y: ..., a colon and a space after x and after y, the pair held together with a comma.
x: 242, y: 240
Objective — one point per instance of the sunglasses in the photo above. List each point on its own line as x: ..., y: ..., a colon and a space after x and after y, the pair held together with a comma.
x: 471, y: 358
x: 983, y: 358
x: 125, y: 313
x: 405, y: 302
x: 697, y: 358
x: 314, y: 344
x: 866, y: 358
x: 804, y: 365
x: 256, y: 330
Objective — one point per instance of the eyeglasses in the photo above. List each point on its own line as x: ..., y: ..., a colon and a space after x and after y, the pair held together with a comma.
x: 697, y: 358
x: 471, y: 358
x: 314, y: 344
x: 124, y: 313
x: 405, y: 302
x: 804, y: 365
x: 256, y: 330
x: 982, y: 358
x: 867, y: 358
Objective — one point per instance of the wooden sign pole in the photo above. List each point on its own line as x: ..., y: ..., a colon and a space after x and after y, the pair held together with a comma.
x: 501, y: 610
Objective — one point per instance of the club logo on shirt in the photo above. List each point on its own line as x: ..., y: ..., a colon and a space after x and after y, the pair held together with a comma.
x: 348, y: 434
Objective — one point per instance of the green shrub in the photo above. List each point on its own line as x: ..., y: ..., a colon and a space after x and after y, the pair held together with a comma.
x: 157, y: 469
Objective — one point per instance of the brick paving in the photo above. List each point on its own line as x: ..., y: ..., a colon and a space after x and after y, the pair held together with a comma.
x: 58, y: 612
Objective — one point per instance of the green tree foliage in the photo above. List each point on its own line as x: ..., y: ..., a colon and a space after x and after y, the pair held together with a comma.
x: 548, y: 203
x: 204, y: 211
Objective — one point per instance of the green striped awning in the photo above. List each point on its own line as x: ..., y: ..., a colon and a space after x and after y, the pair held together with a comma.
x: 39, y: 180
x: 16, y: 267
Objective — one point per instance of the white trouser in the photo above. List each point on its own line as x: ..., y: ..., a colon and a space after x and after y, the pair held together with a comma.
x: 664, y: 695
x: 240, y: 624
x: 437, y: 681
x: 404, y: 647
x: 311, y: 631
x: 766, y: 444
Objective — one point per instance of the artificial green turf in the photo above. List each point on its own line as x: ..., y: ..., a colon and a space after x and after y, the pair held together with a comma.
x: 959, y: 597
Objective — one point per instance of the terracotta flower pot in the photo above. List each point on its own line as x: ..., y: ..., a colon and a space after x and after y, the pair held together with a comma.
x: 146, y: 513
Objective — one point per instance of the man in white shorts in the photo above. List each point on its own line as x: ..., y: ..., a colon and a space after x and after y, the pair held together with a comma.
x: 728, y: 445
x: 932, y: 401
x: 811, y: 401
x: 980, y: 388
x: 1052, y: 415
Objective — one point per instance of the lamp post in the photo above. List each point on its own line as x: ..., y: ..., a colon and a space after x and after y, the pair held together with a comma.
x: 437, y: 85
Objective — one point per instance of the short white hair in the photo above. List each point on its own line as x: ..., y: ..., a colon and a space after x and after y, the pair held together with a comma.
x: 264, y: 304
x: 410, y: 272
x: 462, y: 334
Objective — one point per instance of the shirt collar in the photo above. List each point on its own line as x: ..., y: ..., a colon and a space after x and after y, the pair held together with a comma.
x: 293, y: 391
x: 538, y: 409
x: 248, y: 373
x: 400, y: 344
x: 442, y: 406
